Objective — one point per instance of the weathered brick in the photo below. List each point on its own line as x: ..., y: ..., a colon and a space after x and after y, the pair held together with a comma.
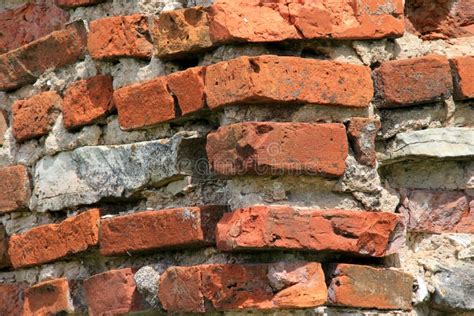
x: 439, y: 19
x: 3, y: 126
x: 278, y: 148
x: 144, y: 104
x: 86, y: 101
x: 430, y: 211
x: 11, y: 296
x: 180, y: 32
x: 362, y: 133
x: 77, y: 3
x: 188, y: 89
x: 50, y: 242
x: 4, y: 260
x: 48, y: 298
x: 283, y: 227
x: 274, y: 79
x: 15, y: 188
x: 369, y: 287
x: 23, y: 65
x: 35, y: 117
x: 120, y: 36
x: 112, y: 293
x: 413, y: 81
x: 463, y: 77
x: 227, y: 287
x: 29, y: 22
x: 192, y: 227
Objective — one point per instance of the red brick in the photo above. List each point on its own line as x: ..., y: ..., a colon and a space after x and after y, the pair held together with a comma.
x: 86, y: 101
x: 144, y: 104
x: 112, y: 293
x: 15, y: 188
x: 430, y: 211
x: 50, y: 242
x: 35, y: 117
x: 463, y: 77
x: 4, y: 260
x: 368, y: 287
x: 362, y: 133
x: 23, y: 65
x: 77, y: 3
x: 120, y: 36
x: 278, y: 148
x: 188, y: 88
x: 48, y: 298
x: 283, y: 227
x: 11, y: 296
x: 3, y: 126
x: 440, y: 19
x: 180, y: 32
x: 29, y: 22
x: 191, y: 227
x: 413, y: 81
x: 227, y: 287
x: 280, y: 20
x: 271, y: 79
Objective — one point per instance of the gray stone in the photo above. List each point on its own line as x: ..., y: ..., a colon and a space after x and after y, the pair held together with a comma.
x: 89, y: 174
x: 443, y: 143
x: 454, y: 287
x: 147, y: 279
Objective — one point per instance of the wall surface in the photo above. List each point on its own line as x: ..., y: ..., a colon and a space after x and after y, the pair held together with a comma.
x: 280, y: 157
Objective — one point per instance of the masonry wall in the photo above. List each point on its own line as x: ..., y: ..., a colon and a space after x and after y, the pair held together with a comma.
x: 237, y: 157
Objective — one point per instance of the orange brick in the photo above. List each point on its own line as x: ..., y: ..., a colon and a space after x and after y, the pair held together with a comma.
x: 284, y: 227
x: 368, y: 287
x: 48, y: 298
x: 232, y: 287
x: 144, y: 104
x: 112, y: 293
x: 278, y: 148
x: 11, y: 296
x: 50, y: 242
x: 35, y: 117
x: 15, y: 188
x: 76, y: 3
x: 362, y: 133
x: 86, y: 101
x: 192, y: 227
x: 188, y: 89
x: 120, y: 36
x: 463, y: 77
x: 413, y: 81
x: 274, y: 79
x: 23, y: 65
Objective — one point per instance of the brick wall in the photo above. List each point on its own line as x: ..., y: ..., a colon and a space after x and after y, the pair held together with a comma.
x: 237, y: 157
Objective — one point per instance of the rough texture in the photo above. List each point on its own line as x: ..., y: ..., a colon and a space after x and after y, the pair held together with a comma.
x: 29, y: 22
x: 11, y: 298
x: 238, y: 287
x: 94, y: 173
x: 284, y: 227
x: 122, y: 36
x: 438, y: 211
x: 432, y: 143
x: 86, y: 101
x: 463, y: 76
x: 278, y: 148
x: 112, y: 293
x: 193, y: 226
x: 187, y: 87
x: 34, y: 117
x: 23, y: 65
x: 4, y: 260
x: 76, y: 3
x: 362, y: 133
x: 271, y: 79
x: 3, y: 126
x: 48, y: 298
x: 413, y: 81
x: 368, y: 287
x: 51, y: 242
x: 15, y: 188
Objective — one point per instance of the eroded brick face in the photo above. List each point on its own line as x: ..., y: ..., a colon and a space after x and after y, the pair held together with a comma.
x: 76, y: 3
x: 278, y: 148
x: 15, y: 188
x: 11, y: 296
x: 49, y: 297
x: 463, y: 77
